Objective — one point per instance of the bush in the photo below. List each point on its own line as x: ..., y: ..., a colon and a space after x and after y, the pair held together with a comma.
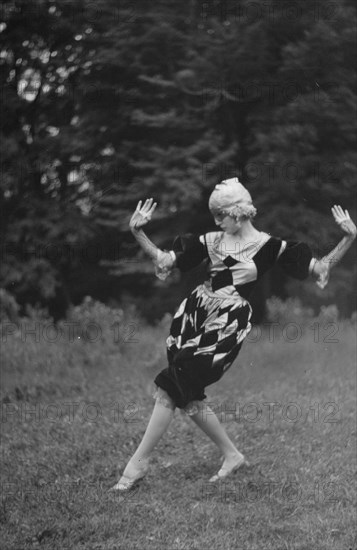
x: 37, y: 313
x: 94, y: 321
x: 354, y: 318
x: 290, y: 310
x: 9, y: 308
x: 328, y: 314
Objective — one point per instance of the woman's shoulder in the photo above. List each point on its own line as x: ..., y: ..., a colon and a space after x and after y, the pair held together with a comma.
x: 268, y: 252
x: 266, y: 237
x: 211, y: 237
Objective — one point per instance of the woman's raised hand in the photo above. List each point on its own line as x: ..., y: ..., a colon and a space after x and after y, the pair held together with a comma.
x: 142, y: 214
x: 323, y: 266
x: 342, y: 218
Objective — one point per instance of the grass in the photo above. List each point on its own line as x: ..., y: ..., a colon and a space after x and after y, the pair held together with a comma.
x: 74, y: 412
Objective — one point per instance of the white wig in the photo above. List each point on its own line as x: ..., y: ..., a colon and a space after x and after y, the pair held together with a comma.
x: 232, y: 198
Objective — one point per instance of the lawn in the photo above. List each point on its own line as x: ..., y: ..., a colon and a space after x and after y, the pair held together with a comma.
x: 74, y: 410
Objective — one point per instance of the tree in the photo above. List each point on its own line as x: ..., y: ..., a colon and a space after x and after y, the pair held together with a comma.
x: 110, y: 103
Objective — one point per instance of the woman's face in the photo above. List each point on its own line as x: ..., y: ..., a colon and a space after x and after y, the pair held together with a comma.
x: 227, y: 223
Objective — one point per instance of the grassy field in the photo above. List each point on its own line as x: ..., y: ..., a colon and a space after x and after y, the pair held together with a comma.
x: 74, y: 410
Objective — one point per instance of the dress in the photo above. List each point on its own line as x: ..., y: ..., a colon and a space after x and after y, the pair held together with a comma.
x: 208, y: 328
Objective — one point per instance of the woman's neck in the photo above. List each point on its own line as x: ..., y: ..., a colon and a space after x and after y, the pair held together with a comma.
x: 246, y: 232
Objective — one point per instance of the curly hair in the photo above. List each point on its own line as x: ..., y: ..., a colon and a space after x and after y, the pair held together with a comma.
x: 246, y: 211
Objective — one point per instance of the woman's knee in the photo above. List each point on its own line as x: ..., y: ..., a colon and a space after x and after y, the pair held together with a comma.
x: 164, y: 399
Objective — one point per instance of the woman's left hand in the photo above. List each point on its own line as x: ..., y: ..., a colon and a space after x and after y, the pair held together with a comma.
x: 342, y: 218
x: 142, y: 214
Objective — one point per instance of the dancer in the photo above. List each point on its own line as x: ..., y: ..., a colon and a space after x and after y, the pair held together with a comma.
x: 209, y: 327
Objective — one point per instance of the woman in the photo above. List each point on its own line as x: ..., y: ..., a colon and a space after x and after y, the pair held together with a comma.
x: 209, y: 327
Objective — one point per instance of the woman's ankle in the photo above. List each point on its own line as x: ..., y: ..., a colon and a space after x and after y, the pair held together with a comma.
x: 232, y: 453
x: 139, y: 461
x: 135, y: 466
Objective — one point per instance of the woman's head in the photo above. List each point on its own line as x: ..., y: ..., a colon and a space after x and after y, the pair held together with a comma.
x: 231, y: 199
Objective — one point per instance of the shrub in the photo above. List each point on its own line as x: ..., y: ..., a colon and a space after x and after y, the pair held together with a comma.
x: 9, y: 308
x: 290, y: 310
x: 94, y: 321
x: 328, y: 314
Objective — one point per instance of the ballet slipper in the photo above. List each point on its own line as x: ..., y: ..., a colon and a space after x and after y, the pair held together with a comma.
x: 126, y: 483
x: 225, y: 472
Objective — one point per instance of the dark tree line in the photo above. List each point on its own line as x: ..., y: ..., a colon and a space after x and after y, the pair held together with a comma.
x: 106, y: 102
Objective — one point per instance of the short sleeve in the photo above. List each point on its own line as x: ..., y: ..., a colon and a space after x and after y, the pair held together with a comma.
x: 190, y: 251
x: 296, y: 259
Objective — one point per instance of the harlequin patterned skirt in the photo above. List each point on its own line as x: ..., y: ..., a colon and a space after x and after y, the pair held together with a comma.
x: 206, y: 335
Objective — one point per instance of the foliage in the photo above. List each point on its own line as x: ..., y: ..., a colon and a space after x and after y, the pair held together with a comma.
x: 9, y: 308
x: 287, y: 311
x: 107, y: 103
x: 292, y: 310
x: 93, y: 321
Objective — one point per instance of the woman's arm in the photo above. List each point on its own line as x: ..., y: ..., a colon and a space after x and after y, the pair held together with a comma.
x: 164, y: 261
x: 321, y: 268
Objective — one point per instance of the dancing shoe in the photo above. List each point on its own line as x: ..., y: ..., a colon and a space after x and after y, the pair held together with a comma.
x: 224, y: 472
x: 126, y: 482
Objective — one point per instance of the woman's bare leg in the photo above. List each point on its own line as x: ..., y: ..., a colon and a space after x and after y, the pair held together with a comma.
x: 160, y: 420
x: 211, y: 426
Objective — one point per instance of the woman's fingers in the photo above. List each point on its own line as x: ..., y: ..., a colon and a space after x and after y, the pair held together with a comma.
x: 147, y: 205
x: 341, y: 212
x: 143, y: 212
x: 343, y: 219
x: 140, y: 207
x: 152, y: 208
x: 337, y: 209
x: 148, y: 208
x: 338, y: 213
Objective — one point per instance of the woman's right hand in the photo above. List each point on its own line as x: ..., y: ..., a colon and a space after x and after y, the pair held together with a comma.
x: 142, y: 214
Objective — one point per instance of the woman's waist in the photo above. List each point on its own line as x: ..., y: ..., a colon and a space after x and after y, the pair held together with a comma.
x: 225, y: 282
x: 228, y: 292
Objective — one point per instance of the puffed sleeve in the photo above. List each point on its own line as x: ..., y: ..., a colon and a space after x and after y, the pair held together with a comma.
x: 296, y: 259
x: 190, y: 250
